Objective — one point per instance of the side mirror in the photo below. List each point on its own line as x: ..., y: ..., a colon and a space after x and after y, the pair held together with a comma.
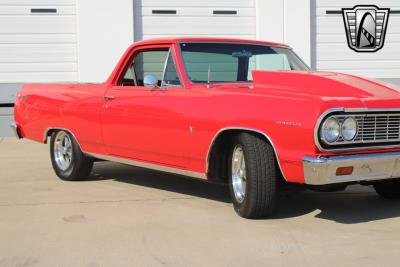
x: 150, y: 81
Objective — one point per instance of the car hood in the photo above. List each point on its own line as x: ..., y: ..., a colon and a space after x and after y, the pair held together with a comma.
x: 327, y: 85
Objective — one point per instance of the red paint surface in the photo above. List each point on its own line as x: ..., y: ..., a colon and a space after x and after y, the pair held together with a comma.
x: 153, y: 126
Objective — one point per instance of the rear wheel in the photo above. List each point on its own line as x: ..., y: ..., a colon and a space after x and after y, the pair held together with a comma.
x: 252, y: 176
x: 69, y: 163
x: 389, y: 190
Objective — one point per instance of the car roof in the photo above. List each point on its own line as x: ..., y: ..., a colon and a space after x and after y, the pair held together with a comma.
x: 169, y: 40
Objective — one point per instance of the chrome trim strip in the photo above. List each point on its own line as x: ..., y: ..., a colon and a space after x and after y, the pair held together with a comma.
x: 364, y: 129
x: 177, y: 67
x: 136, y: 163
x: 14, y: 129
x: 245, y: 129
x: 147, y: 165
x: 166, y: 86
x: 165, y: 168
x: 350, y: 110
x: 320, y: 136
x: 318, y: 123
x: 366, y: 167
x: 165, y: 66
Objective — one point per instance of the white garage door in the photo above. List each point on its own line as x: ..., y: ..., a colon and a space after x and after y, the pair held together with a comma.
x: 37, y: 41
x: 222, y: 18
x: 333, y: 53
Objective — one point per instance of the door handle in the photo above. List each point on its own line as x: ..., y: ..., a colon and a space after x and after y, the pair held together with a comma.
x: 109, y: 97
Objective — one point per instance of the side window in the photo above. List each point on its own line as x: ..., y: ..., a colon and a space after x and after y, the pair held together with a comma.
x: 149, y: 63
x: 158, y: 63
x: 170, y: 75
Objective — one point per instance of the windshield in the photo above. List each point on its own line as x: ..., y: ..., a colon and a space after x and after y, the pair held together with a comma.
x: 234, y: 62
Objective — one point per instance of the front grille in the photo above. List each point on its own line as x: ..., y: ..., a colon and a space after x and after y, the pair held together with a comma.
x: 373, y: 128
x: 381, y: 128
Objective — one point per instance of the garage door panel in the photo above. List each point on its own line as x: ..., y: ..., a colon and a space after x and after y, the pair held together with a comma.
x: 37, y: 67
x: 351, y: 3
x: 393, y: 27
x: 371, y: 73
x: 38, y: 38
x: 149, y: 36
x: 203, y: 3
x: 37, y: 53
x: 42, y: 24
x: 333, y: 53
x: 36, y: 2
x: 342, y: 51
x: 328, y: 25
x: 340, y: 38
x: 345, y: 64
x: 37, y: 47
x: 321, y: 12
x: 26, y: 10
x: 198, y: 11
x: 37, y: 77
x: 199, y: 25
x: 194, y: 19
x: 331, y: 38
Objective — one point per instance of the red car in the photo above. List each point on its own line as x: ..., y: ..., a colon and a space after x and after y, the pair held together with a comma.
x: 243, y: 112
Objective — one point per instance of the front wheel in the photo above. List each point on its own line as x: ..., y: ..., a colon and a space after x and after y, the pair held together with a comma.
x: 69, y: 163
x: 252, y: 175
x: 389, y: 190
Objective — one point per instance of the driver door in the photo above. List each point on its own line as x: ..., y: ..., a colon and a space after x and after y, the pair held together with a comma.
x: 147, y: 124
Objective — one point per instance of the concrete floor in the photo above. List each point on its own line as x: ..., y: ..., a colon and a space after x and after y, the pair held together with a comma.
x: 124, y: 216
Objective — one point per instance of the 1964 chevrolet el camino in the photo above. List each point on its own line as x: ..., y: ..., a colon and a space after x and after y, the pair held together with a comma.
x: 247, y: 113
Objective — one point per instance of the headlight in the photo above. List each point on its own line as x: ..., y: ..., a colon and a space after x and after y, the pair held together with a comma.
x: 349, y: 129
x: 330, y: 130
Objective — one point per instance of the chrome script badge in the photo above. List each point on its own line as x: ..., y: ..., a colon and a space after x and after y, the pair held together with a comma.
x: 365, y: 27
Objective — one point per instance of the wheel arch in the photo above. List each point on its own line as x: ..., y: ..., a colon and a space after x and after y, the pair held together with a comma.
x: 228, y: 133
x: 49, y: 131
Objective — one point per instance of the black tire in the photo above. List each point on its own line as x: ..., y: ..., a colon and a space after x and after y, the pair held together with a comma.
x: 260, y: 171
x: 389, y: 190
x: 80, y: 165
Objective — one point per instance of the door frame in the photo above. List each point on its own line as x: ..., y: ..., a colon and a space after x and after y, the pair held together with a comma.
x: 135, y: 49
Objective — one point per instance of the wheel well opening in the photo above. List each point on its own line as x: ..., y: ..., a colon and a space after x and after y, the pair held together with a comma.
x: 218, y: 159
x: 48, y: 134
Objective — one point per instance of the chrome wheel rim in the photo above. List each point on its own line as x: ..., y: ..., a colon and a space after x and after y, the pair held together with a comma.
x: 238, y: 174
x: 63, y: 150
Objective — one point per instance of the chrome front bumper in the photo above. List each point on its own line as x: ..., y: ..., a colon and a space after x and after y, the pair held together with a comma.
x: 366, y: 167
x: 14, y: 129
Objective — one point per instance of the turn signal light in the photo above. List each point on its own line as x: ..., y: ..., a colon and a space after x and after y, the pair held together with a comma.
x: 344, y: 170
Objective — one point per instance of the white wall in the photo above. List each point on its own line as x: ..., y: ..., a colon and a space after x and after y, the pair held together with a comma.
x: 105, y: 30
x: 37, y: 47
x: 286, y: 21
